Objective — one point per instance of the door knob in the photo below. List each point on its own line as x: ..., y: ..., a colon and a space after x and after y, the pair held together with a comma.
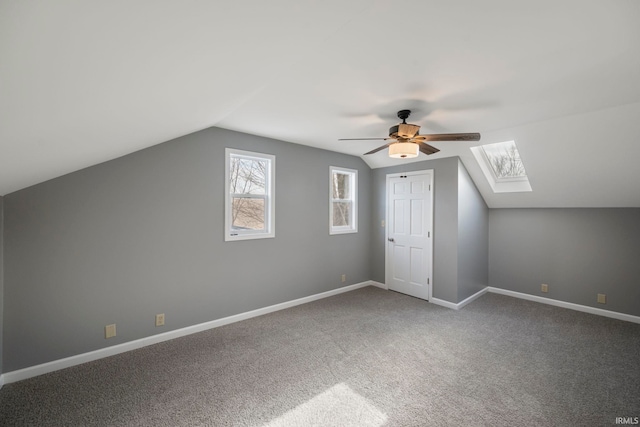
x: 391, y: 239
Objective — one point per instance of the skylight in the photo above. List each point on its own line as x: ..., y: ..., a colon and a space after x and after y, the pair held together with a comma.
x: 502, y: 166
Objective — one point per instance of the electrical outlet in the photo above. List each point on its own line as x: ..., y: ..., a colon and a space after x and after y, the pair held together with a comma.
x: 602, y: 298
x: 544, y: 287
x: 110, y: 331
x: 343, y: 278
x: 382, y: 223
x: 160, y: 319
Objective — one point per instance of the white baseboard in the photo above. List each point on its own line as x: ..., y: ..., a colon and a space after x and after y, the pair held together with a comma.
x: 379, y: 285
x: 438, y: 301
x: 32, y: 371
x: 1, y: 381
x: 569, y: 305
x: 444, y: 303
x: 458, y: 306
x: 543, y: 300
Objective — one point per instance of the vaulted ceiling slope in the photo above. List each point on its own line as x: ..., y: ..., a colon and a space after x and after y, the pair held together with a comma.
x: 85, y: 82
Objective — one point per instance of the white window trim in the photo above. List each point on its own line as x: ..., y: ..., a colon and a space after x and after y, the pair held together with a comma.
x: 269, y: 197
x: 354, y: 212
x: 499, y: 185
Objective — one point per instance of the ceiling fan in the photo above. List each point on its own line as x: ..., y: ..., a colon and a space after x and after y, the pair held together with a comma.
x: 406, y: 143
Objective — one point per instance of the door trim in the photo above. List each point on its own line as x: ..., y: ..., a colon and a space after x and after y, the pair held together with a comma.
x: 429, y: 245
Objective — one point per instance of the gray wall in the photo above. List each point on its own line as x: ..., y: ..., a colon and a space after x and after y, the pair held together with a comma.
x: 445, y: 230
x: 577, y: 252
x: 1, y: 276
x: 143, y: 234
x: 473, y: 237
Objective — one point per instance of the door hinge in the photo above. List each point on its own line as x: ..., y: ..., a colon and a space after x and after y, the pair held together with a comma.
x: 428, y: 281
x: 429, y: 187
x: 428, y: 234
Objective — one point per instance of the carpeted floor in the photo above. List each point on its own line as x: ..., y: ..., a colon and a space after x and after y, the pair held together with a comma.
x: 364, y: 358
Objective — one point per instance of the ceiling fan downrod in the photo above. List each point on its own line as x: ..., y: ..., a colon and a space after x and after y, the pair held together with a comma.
x: 404, y: 115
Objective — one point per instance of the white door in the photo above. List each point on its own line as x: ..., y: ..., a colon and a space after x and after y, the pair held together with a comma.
x: 409, y: 233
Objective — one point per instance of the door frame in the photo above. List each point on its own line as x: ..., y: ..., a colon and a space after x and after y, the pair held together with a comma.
x: 428, y: 244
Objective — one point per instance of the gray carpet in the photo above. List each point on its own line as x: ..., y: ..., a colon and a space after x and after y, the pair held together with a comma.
x: 363, y: 358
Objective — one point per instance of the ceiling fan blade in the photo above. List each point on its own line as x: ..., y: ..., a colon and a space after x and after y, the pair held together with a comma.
x: 427, y: 149
x: 382, y: 147
x: 448, y: 137
x: 364, y: 139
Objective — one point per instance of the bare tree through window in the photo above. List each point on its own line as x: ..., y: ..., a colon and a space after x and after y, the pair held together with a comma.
x: 505, y: 160
x: 247, y: 185
x: 341, y: 199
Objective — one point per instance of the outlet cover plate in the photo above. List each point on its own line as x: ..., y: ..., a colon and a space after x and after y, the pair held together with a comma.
x: 110, y: 331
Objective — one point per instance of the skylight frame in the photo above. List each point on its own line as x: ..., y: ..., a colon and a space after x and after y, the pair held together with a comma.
x: 510, y: 184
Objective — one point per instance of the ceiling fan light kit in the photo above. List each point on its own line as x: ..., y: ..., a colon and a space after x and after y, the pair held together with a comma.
x: 406, y: 143
x: 403, y: 150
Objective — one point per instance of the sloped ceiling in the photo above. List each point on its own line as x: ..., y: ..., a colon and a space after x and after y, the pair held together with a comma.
x: 84, y: 82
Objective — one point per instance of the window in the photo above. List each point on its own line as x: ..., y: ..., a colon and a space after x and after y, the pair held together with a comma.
x: 249, y: 195
x: 343, y: 206
x: 502, y: 166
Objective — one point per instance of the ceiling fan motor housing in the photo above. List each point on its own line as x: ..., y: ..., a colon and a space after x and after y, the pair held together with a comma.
x: 403, y: 131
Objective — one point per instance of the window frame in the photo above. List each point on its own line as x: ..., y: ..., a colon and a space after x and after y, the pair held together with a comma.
x: 353, y: 181
x: 268, y: 197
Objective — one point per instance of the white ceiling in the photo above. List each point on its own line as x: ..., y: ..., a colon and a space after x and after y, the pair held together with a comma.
x: 84, y: 82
